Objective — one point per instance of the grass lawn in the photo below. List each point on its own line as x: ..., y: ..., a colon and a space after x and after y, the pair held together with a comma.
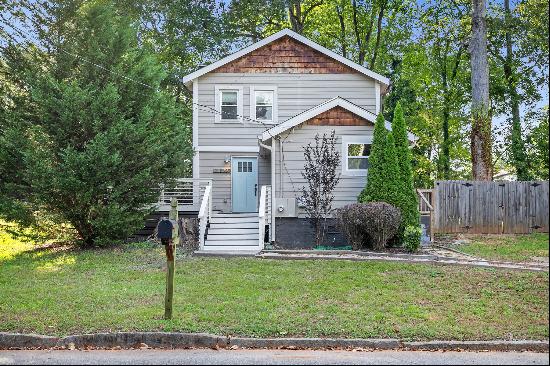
x: 64, y: 292
x: 517, y: 248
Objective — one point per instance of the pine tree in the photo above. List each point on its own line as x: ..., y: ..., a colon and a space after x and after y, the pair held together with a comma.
x: 408, y: 201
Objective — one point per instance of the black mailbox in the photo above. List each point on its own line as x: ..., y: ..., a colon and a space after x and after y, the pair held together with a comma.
x: 164, y: 229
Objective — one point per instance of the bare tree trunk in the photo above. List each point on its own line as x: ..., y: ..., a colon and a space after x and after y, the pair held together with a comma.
x: 295, y: 15
x: 378, y: 34
x: 519, y: 157
x: 340, y: 12
x: 362, y: 45
x: 480, y: 139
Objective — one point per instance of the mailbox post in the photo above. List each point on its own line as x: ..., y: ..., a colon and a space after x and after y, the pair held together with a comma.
x: 167, y: 232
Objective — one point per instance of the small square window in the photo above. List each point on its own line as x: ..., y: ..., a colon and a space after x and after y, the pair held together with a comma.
x: 358, y: 156
x: 355, y: 155
x: 240, y: 167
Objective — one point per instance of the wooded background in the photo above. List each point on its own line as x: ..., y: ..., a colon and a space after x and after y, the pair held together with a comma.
x: 422, y: 46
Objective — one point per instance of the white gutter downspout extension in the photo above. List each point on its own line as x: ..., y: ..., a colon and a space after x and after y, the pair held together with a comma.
x: 271, y: 150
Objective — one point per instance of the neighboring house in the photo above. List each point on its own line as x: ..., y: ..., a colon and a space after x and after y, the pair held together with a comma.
x: 254, y: 111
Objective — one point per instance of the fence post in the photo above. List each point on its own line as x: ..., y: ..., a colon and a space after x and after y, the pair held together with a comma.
x: 170, y: 258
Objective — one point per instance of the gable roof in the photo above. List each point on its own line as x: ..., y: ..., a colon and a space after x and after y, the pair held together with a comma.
x: 286, y: 32
x: 321, y: 108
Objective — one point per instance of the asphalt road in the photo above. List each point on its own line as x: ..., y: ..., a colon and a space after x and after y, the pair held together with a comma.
x: 268, y: 357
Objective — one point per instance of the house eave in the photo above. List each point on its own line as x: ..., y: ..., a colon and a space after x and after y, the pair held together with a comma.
x: 323, y: 107
x: 188, y: 79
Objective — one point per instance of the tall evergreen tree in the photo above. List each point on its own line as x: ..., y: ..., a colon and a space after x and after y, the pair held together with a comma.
x: 383, y: 182
x: 409, y: 201
x: 98, y: 133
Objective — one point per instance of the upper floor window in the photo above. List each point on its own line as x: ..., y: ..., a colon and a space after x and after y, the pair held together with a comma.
x: 263, y: 103
x: 355, y: 154
x: 229, y: 103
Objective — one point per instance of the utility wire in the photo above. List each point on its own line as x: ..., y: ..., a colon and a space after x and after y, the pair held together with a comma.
x: 205, y: 108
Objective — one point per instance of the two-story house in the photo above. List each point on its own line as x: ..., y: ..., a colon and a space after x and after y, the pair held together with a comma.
x: 253, y: 112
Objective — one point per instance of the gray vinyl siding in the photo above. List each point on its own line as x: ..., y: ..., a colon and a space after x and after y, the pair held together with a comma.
x: 221, y: 182
x: 296, y: 93
x: 290, y: 186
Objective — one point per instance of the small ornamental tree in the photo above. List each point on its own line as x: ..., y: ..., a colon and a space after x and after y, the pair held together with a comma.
x: 383, y: 184
x: 320, y: 172
x: 407, y: 201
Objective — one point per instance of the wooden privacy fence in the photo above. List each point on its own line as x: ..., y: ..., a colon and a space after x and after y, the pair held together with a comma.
x: 490, y: 207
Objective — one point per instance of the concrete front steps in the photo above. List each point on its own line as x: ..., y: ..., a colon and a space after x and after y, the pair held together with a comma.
x: 230, y: 232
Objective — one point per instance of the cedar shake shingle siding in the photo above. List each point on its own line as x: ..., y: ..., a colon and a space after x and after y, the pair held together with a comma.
x: 338, y: 116
x: 286, y: 55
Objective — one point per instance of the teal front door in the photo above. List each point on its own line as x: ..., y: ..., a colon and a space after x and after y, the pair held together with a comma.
x: 244, y: 184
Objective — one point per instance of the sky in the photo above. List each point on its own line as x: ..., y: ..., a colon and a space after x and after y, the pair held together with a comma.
x: 499, y: 120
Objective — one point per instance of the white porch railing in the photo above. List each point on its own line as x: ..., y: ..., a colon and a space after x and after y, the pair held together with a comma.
x: 264, y: 214
x: 205, y: 213
x: 187, y: 191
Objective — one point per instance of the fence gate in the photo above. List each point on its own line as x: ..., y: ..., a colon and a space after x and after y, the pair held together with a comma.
x: 425, y: 206
x: 490, y: 207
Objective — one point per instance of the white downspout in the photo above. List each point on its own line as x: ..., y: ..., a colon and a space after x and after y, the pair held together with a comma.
x: 273, y: 189
x: 273, y: 180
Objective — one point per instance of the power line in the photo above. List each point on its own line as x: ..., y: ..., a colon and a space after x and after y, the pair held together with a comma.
x: 206, y: 108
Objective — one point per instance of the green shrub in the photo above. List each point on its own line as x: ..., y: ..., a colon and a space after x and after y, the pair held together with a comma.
x: 350, y: 218
x: 383, y: 174
x: 390, y: 176
x: 407, y: 199
x: 411, y: 238
x: 369, y: 224
x: 92, y: 144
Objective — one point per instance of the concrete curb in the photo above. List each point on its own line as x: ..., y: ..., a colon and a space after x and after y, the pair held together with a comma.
x: 315, y: 343
x: 200, y: 340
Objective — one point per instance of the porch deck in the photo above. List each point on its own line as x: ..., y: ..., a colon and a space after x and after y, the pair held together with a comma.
x: 219, y: 232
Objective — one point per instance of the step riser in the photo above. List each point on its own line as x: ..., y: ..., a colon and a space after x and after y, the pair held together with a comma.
x: 214, y: 231
x: 233, y: 220
x: 218, y: 237
x: 231, y: 248
x: 240, y: 242
x: 239, y: 225
x: 236, y: 215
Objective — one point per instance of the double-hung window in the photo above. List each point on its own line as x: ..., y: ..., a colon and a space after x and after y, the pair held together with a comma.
x: 355, y: 154
x: 263, y: 103
x: 229, y: 103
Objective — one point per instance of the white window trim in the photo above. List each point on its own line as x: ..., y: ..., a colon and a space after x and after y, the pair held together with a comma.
x: 274, y: 112
x: 218, y: 104
x: 347, y: 140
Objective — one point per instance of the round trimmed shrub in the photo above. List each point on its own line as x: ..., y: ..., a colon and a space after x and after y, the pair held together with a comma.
x: 349, y: 220
x: 370, y: 224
